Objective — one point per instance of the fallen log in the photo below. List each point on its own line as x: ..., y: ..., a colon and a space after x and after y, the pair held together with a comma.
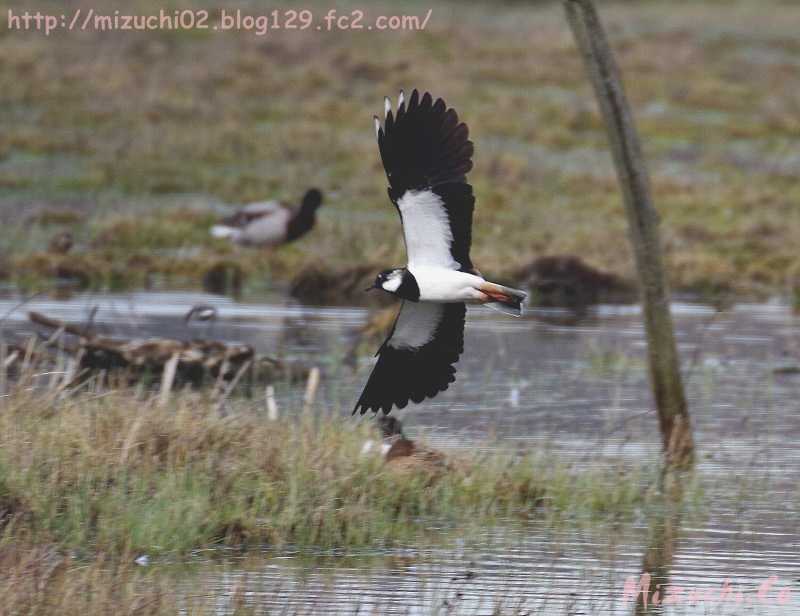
x: 146, y: 358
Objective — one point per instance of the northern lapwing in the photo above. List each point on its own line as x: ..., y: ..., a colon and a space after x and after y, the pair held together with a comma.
x: 426, y: 153
x: 270, y: 223
x: 397, y: 447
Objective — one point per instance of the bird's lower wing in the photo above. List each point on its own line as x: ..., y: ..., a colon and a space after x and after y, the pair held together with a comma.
x: 417, y: 359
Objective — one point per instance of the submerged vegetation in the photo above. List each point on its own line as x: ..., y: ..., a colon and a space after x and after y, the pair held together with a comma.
x: 144, y: 137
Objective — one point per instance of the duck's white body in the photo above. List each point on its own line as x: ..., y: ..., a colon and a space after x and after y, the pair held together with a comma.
x: 266, y: 228
x: 269, y: 223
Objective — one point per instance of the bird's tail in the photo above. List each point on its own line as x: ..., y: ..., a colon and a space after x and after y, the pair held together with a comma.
x: 504, y: 299
x: 224, y: 231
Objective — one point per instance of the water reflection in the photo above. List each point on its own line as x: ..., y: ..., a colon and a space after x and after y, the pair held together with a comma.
x: 652, y: 591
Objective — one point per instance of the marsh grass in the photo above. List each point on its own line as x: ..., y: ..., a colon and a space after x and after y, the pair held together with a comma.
x: 91, y: 480
x: 112, y: 473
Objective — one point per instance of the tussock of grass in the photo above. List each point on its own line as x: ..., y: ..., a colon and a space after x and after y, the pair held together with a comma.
x: 110, y: 473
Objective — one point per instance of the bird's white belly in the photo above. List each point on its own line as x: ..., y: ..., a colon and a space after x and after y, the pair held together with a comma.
x: 267, y: 230
x: 439, y: 284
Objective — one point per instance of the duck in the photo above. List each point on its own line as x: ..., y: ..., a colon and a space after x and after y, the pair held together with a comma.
x: 268, y: 224
x: 426, y: 154
x: 400, y: 452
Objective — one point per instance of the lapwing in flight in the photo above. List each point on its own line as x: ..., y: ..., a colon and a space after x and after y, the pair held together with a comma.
x: 426, y: 153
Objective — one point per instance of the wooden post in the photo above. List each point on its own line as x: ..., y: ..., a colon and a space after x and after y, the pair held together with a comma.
x: 272, y: 405
x: 167, y: 379
x: 642, y: 217
x: 311, y: 389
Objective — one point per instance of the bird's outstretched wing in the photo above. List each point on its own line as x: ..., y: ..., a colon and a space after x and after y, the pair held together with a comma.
x: 416, y: 360
x: 426, y: 153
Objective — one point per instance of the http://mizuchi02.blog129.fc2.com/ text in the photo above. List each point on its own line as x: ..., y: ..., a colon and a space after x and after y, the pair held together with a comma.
x: 219, y: 20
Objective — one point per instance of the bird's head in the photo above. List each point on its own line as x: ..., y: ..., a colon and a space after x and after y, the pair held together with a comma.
x: 389, y: 280
x: 389, y: 426
x: 312, y: 200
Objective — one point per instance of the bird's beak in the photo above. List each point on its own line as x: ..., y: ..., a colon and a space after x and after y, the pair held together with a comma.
x: 374, y: 286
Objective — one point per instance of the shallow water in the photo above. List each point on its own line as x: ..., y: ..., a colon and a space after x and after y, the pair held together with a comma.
x: 578, y: 390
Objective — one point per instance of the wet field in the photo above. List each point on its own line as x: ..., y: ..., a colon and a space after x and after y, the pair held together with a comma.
x: 574, y: 387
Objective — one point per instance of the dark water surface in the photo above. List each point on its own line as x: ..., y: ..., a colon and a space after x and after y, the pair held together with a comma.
x: 577, y: 389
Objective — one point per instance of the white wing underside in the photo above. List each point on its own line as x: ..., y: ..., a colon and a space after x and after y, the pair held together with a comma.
x: 416, y: 324
x: 427, y: 230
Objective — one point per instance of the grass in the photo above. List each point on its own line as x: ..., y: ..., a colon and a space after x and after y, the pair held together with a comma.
x: 91, y: 480
x: 110, y: 473
x: 145, y: 132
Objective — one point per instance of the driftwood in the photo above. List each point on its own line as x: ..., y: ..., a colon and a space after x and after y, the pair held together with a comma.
x: 189, y: 361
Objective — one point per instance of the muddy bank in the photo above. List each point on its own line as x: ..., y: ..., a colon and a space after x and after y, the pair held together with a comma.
x: 320, y: 286
x: 562, y: 281
x: 568, y: 281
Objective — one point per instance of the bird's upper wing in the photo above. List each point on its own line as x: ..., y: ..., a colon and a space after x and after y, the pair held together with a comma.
x: 267, y: 229
x: 416, y: 360
x: 251, y: 212
x: 426, y: 153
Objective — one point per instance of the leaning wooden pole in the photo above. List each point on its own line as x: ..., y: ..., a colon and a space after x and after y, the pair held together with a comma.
x: 642, y: 217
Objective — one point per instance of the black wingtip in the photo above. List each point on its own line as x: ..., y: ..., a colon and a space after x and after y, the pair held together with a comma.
x: 422, y: 143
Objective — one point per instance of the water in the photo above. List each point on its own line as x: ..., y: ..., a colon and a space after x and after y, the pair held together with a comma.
x: 577, y: 390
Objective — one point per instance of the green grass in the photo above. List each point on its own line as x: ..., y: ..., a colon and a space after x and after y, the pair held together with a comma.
x: 109, y: 473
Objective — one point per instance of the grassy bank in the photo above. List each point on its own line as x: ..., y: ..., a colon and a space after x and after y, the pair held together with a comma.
x: 114, y: 474
x: 146, y: 135
x: 91, y: 481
